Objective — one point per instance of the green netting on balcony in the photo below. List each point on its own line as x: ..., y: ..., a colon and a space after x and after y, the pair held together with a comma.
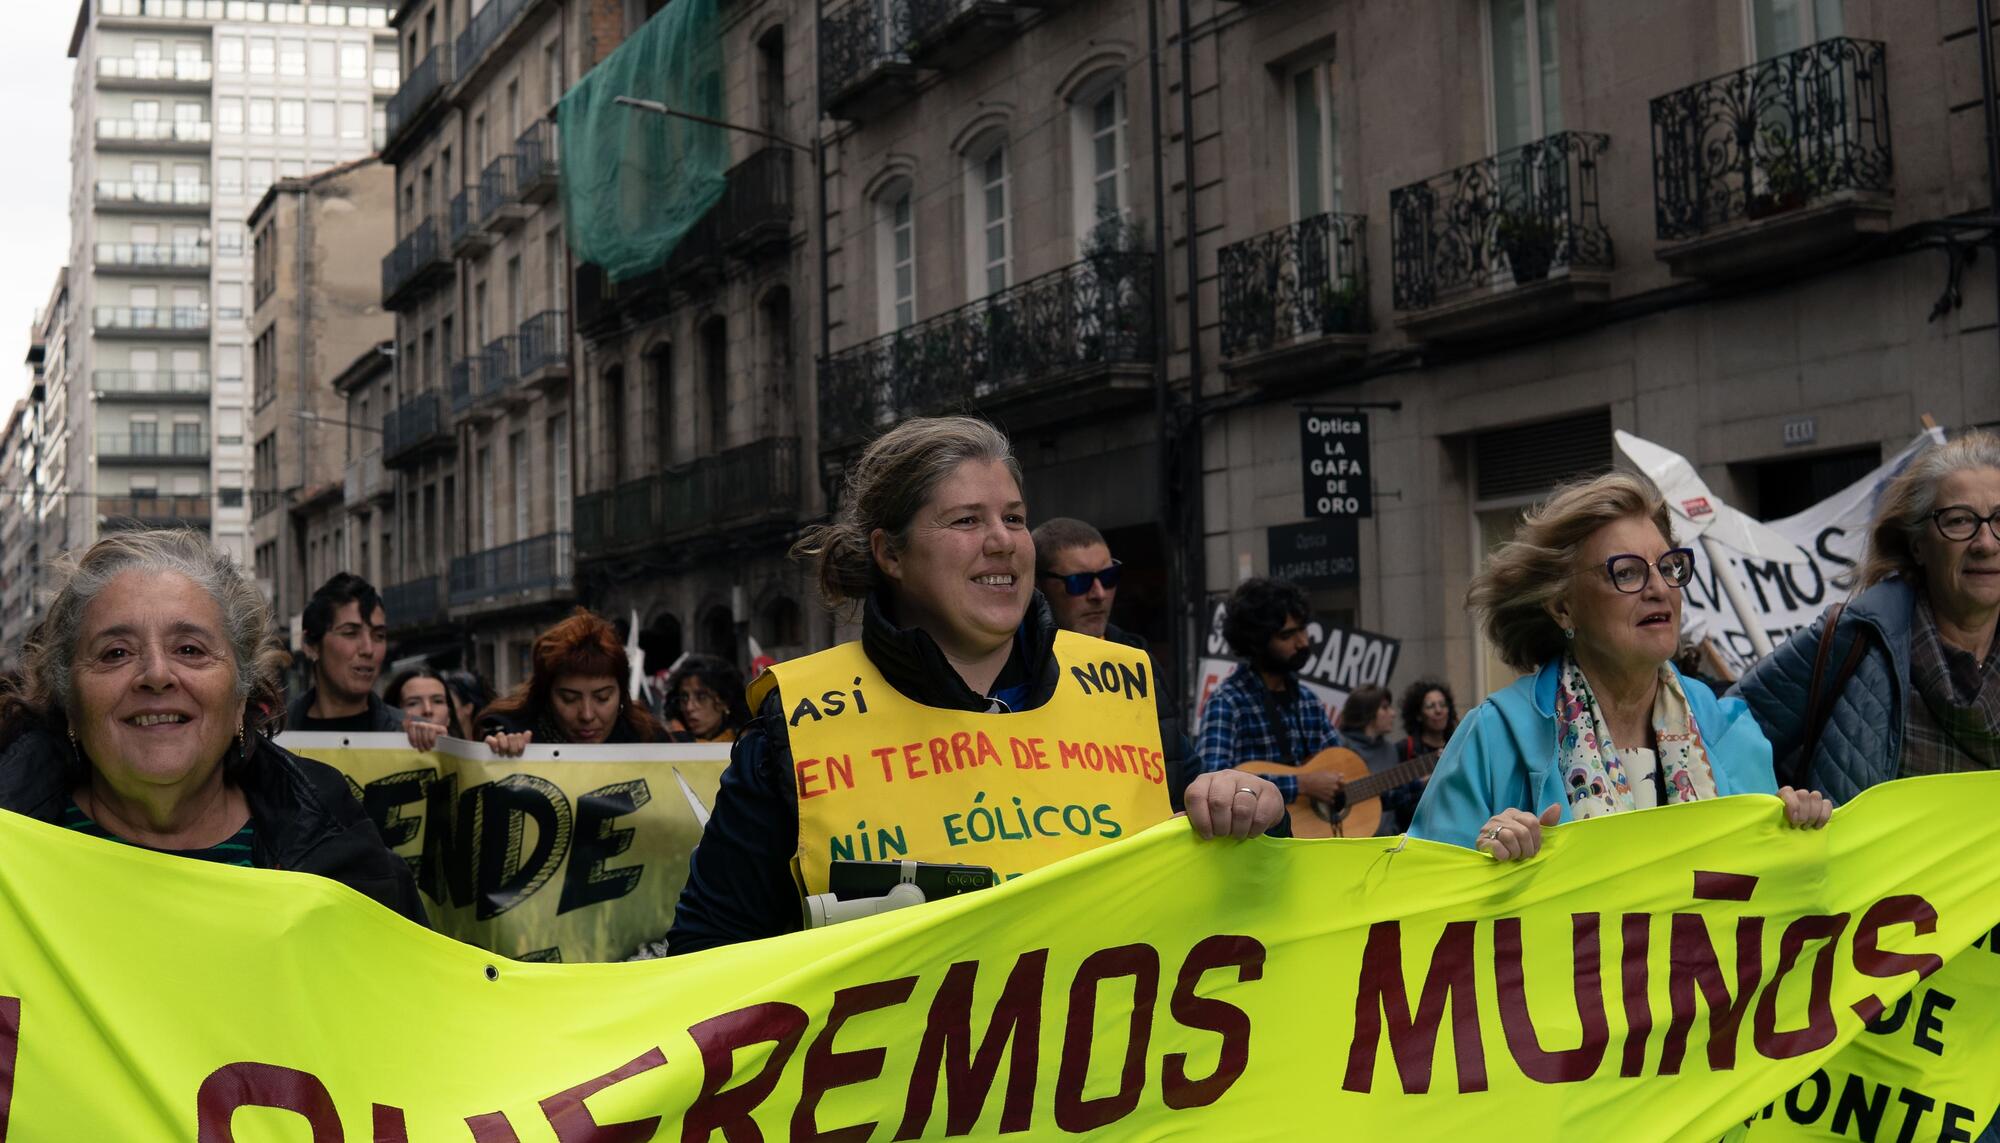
x: 634, y: 181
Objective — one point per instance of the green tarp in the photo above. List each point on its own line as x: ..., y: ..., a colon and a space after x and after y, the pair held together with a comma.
x: 635, y: 181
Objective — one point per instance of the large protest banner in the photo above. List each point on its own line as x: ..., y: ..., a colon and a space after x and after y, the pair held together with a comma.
x: 1659, y: 975
x: 1342, y: 661
x: 1832, y: 537
x: 568, y: 853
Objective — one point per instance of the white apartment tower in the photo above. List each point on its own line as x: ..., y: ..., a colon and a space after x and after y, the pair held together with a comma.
x: 185, y: 112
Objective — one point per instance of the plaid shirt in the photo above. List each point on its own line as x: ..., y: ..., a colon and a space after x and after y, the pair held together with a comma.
x: 1236, y: 728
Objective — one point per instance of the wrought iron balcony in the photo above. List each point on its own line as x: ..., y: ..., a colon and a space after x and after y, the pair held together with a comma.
x: 164, y: 133
x: 1044, y: 338
x: 537, y: 172
x: 1514, y: 219
x: 417, y: 603
x: 156, y: 257
x: 416, y: 263
x: 173, y: 321
x: 153, y: 196
x: 542, y: 566
x: 1774, y: 141
x: 152, y: 446
x: 1295, y: 284
x: 468, y: 237
x: 499, y: 368
x: 951, y: 34
x: 500, y: 209
x: 483, y: 30
x: 149, y: 386
x: 543, y: 346
x: 420, y: 89
x: 714, y: 496
x: 366, y: 480
x: 864, y: 64
x: 757, y: 203
x: 130, y: 513
x: 463, y: 382
x: 415, y: 429
x: 120, y: 71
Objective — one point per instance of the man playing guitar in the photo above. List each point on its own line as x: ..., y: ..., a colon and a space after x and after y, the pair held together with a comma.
x: 1261, y: 712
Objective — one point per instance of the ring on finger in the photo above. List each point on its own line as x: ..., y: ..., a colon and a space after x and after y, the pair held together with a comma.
x: 1252, y: 790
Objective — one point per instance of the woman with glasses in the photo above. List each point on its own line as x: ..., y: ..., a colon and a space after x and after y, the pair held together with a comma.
x: 1587, y: 600
x: 705, y: 695
x: 1900, y: 680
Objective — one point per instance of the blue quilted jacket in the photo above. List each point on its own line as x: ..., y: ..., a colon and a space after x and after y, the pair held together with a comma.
x: 1862, y: 744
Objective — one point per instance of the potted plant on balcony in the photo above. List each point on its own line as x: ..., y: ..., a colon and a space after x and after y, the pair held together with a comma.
x: 1340, y: 306
x: 1790, y: 181
x: 1528, y: 239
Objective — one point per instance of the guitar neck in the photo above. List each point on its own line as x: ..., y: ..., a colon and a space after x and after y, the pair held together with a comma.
x: 1381, y: 782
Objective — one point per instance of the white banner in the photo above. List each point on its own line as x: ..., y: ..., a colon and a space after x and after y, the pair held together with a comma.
x: 1833, y: 534
x: 1342, y: 662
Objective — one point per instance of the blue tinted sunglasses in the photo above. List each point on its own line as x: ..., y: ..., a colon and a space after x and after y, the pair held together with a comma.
x: 1079, y: 583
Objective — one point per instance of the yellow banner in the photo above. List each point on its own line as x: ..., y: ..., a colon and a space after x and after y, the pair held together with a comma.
x: 880, y: 777
x: 568, y: 853
x: 1660, y: 975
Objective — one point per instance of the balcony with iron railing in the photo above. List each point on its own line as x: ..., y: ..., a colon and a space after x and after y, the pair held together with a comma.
x: 148, y: 385
x: 134, y: 71
x: 1776, y: 163
x: 414, y: 430
x: 756, y: 204
x: 152, y: 257
x: 1509, y: 241
x: 539, y: 570
x: 863, y: 62
x: 133, y: 513
x: 469, y: 238
x: 1295, y: 298
x: 153, y: 196
x: 500, y: 208
x: 951, y: 34
x: 417, y: 96
x: 543, y: 349
x: 165, y: 134
x: 415, y: 603
x: 150, y: 321
x: 366, y: 481
x: 153, y: 446
x: 417, y: 263
x: 715, y: 497
x: 537, y: 171
x: 483, y: 30
x: 1068, y: 343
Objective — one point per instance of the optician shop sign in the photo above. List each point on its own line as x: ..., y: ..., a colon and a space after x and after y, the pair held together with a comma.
x: 1333, y: 454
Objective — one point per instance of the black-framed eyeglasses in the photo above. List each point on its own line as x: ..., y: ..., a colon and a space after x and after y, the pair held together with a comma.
x: 1960, y: 523
x: 1078, y: 583
x: 1629, y: 573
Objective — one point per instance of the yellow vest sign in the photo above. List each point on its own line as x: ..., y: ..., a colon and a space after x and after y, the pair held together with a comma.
x: 568, y: 853
x: 1660, y: 975
x: 880, y: 777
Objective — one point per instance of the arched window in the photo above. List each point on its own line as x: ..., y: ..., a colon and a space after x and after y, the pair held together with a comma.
x: 660, y: 384
x: 660, y: 642
x: 775, y: 345
x: 783, y: 627
x: 715, y: 380
x: 1099, y: 157
x: 988, y: 217
x: 718, y: 633
x: 896, y: 256
x: 771, y: 80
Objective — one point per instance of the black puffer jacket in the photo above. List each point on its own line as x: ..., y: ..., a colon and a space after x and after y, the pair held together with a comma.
x: 302, y: 815
x: 382, y: 718
x: 740, y: 884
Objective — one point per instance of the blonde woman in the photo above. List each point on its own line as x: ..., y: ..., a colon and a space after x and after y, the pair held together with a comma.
x: 1587, y: 599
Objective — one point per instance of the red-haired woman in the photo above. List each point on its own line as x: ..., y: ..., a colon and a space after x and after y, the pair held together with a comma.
x: 576, y: 694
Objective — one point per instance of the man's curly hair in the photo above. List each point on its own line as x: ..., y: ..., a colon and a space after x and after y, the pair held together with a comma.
x: 1259, y: 609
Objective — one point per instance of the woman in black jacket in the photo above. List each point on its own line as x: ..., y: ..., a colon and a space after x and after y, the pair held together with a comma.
x: 931, y: 543
x: 133, y: 723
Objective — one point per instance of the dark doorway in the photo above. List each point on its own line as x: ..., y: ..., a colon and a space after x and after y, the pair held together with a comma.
x: 1142, y: 607
x: 718, y: 634
x: 661, y: 643
x: 1787, y: 487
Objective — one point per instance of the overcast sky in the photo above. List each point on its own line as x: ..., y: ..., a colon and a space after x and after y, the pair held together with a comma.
x: 35, y: 74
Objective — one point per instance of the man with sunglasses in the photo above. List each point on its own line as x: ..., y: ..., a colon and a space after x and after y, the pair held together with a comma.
x: 1078, y: 577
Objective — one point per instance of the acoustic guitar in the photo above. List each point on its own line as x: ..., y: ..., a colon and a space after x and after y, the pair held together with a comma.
x: 1357, y: 812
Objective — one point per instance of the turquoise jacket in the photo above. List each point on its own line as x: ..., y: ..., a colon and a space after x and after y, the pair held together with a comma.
x: 1503, y: 756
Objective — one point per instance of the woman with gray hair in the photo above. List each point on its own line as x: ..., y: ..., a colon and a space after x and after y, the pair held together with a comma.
x: 962, y: 728
x: 1587, y: 600
x: 137, y: 721
x: 1900, y: 680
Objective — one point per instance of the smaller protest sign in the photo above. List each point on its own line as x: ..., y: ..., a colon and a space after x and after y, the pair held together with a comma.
x: 1342, y: 661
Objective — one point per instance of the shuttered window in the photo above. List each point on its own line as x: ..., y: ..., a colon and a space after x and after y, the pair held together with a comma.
x: 1526, y: 460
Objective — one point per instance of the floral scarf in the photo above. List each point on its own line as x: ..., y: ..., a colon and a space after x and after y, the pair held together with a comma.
x: 1593, y: 775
